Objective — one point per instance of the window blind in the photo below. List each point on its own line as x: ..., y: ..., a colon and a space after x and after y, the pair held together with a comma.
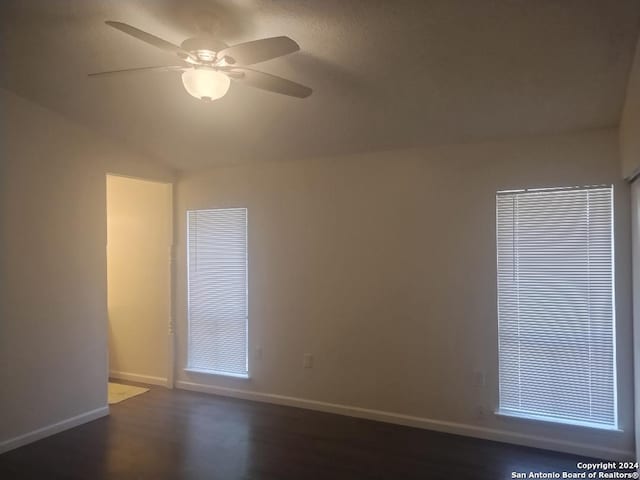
x: 217, y: 290
x: 555, y: 305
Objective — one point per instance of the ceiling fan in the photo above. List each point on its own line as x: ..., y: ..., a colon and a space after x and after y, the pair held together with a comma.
x: 209, y: 64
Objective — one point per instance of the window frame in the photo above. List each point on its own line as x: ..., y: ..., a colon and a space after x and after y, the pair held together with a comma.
x: 200, y: 371
x: 512, y: 414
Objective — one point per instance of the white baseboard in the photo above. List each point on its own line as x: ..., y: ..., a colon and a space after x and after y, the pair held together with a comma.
x: 52, y: 429
x: 418, y: 422
x: 134, y: 377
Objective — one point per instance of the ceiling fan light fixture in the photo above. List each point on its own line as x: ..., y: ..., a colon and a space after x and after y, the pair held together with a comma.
x: 209, y: 64
x: 205, y: 83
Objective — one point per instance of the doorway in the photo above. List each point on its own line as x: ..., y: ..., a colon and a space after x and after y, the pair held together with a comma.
x: 139, y: 280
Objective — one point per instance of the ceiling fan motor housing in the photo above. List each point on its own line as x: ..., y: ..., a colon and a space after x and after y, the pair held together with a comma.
x: 204, y: 47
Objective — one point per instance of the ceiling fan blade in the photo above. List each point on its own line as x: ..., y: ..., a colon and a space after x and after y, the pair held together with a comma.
x: 257, y: 51
x: 148, y: 38
x: 266, y: 81
x: 162, y: 68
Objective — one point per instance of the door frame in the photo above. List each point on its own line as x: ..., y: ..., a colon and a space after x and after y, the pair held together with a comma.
x: 170, y: 265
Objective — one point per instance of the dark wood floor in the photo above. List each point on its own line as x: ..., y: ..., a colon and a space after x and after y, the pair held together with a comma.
x: 176, y: 434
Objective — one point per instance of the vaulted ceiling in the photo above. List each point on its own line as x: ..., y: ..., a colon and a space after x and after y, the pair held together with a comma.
x: 386, y: 74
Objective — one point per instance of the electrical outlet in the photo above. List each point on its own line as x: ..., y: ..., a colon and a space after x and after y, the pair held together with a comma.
x: 308, y: 360
x: 258, y: 354
x: 481, y: 412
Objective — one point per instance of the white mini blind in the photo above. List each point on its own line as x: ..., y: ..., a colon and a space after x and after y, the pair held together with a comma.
x: 217, y: 284
x: 555, y: 305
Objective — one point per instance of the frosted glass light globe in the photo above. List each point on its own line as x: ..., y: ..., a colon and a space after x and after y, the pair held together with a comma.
x: 205, y: 83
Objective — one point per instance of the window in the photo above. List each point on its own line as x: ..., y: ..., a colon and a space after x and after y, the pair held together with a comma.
x: 217, y: 291
x: 555, y: 305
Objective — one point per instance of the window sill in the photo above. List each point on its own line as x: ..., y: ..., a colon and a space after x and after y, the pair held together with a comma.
x: 216, y: 373
x: 558, y: 421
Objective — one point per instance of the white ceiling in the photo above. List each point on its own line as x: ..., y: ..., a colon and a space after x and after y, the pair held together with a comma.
x: 385, y: 74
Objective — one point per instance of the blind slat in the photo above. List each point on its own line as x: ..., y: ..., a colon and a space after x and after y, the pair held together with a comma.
x: 217, y: 283
x: 555, y: 304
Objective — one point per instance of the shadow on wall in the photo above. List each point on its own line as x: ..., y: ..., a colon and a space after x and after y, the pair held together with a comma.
x: 113, y: 353
x: 3, y: 230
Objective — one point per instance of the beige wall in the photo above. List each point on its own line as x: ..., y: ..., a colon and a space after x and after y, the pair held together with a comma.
x: 630, y: 122
x: 53, y: 290
x: 635, y: 225
x: 383, y: 267
x: 139, y: 237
